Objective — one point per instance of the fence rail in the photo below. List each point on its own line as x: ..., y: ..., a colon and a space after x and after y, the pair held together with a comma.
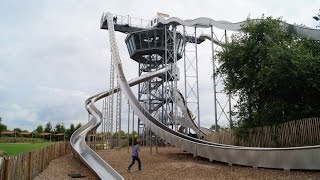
x: 303, y: 132
x: 28, y: 165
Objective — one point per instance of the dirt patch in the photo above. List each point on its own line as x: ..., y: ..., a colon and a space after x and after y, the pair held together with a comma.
x: 173, y: 163
x: 60, y: 168
x: 168, y: 163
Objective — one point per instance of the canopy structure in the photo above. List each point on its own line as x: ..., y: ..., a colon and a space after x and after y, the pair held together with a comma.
x: 59, y: 135
x: 8, y: 133
x: 46, y: 134
x: 29, y: 134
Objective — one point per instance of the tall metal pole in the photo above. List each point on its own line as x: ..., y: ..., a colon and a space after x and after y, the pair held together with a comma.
x: 185, y: 68
x: 230, y: 116
x: 132, y: 143
x: 185, y: 62
x: 175, y: 76
x: 110, y: 125
x: 168, y: 84
x: 150, y: 140
x: 118, y: 116
x: 214, y: 81
x: 107, y: 123
x: 197, y: 74
x: 103, y: 115
x: 128, y: 125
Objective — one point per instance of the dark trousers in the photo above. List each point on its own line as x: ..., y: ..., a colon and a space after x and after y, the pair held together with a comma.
x: 135, y: 158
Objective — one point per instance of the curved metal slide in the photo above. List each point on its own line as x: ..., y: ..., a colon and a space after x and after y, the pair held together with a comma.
x: 77, y: 140
x: 188, y: 119
x: 283, y: 158
x: 205, y: 22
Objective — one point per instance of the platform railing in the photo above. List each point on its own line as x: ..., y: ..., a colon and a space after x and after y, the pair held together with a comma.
x: 127, y: 20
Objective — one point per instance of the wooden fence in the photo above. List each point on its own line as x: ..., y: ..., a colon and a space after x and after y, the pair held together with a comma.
x: 303, y: 132
x: 28, y: 165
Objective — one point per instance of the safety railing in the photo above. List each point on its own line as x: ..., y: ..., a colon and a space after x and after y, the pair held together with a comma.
x: 127, y: 20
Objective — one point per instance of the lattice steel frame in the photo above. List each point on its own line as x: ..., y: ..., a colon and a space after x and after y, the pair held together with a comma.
x: 150, y: 93
x: 223, y: 107
x: 170, y: 83
x: 156, y: 94
x: 191, y: 75
x: 110, y: 105
x: 118, y: 116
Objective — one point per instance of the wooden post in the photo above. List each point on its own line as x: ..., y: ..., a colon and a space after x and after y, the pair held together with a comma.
x: 65, y: 147
x: 41, y: 158
x: 7, y: 169
x: 30, y: 166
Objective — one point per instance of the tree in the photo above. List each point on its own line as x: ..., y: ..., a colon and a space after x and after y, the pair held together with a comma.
x: 213, y: 127
x: 78, y: 126
x: 70, y: 131
x: 48, y: 128
x: 59, y: 128
x: 3, y: 127
x: 39, y: 129
x: 274, y: 74
x: 17, y: 130
x: 122, y: 135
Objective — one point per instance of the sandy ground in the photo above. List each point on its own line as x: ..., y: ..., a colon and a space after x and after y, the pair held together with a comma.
x: 59, y: 169
x: 168, y: 163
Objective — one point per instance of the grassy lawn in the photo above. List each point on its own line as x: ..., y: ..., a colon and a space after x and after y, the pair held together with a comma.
x: 13, y: 149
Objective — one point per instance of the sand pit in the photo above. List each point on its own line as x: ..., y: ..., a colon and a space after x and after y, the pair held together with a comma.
x: 168, y: 163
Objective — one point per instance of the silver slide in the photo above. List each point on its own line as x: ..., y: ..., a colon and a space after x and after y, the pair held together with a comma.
x: 77, y: 140
x: 188, y: 119
x: 283, y: 158
x: 298, y: 30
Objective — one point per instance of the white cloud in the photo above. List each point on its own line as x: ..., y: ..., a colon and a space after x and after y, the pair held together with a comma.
x: 16, y: 111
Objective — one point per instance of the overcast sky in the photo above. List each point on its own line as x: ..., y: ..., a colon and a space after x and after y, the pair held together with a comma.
x: 54, y: 55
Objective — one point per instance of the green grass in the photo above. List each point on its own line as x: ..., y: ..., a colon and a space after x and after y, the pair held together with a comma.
x: 12, y: 149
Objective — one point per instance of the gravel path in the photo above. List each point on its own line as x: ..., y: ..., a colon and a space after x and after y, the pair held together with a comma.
x: 168, y: 163
x: 59, y: 169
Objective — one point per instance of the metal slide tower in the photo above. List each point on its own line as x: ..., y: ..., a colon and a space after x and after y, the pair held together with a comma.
x: 154, y: 49
x: 154, y: 46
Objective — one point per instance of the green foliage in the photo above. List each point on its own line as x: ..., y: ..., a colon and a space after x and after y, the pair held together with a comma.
x: 213, y: 127
x: 39, y: 129
x: 70, y: 131
x: 48, y: 128
x: 274, y: 74
x: 78, y: 126
x: 17, y: 130
x: 122, y: 135
x: 59, y: 128
x: 3, y: 127
x: 72, y: 128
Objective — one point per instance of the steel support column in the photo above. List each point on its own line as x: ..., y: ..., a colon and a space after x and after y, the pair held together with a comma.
x: 191, y: 75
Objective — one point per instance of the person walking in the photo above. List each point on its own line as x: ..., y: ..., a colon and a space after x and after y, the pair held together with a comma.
x: 115, y: 19
x: 135, y: 155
